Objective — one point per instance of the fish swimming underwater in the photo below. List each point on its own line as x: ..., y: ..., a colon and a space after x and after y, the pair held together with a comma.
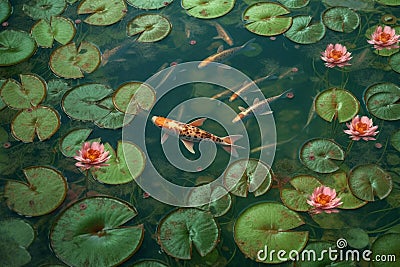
x: 189, y: 133
x: 223, y: 34
x: 242, y: 90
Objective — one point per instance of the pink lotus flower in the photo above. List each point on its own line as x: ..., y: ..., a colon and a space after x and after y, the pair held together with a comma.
x: 385, y: 38
x: 324, y: 199
x: 336, y: 55
x: 92, y: 155
x: 361, y: 128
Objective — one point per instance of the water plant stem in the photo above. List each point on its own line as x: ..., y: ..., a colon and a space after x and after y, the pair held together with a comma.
x: 349, y: 146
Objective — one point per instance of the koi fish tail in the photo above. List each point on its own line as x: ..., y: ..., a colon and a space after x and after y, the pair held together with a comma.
x: 231, y: 147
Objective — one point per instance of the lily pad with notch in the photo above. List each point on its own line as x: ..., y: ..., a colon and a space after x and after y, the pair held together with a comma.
x: 388, y: 245
x: 5, y: 10
x: 149, y: 4
x: 303, y: 32
x: 59, y: 28
x: 394, y: 62
x: 341, y: 19
x: 134, y: 95
x: 207, y: 9
x: 16, y: 46
x: 294, y: 3
x: 115, y: 119
x: 102, y: 12
x: 73, y: 140
x: 44, y: 9
x: 149, y: 27
x: 56, y: 88
x: 382, y: 101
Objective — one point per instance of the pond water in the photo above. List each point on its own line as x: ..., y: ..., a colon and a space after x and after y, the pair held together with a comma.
x: 303, y: 140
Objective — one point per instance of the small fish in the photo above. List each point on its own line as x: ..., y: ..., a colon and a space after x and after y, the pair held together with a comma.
x: 273, y: 98
x: 223, y: 34
x: 223, y: 55
x: 246, y: 87
x: 272, y: 145
x: 219, y: 95
x: 105, y: 57
x: 189, y: 133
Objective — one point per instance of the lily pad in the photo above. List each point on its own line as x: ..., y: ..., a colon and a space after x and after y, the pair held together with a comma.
x: 320, y: 155
x: 296, y: 199
x: 29, y: 93
x: 41, y: 121
x: 114, y: 119
x: 336, y: 103
x: 150, y: 27
x: 117, y: 172
x: 44, y: 191
x: 365, y: 5
x: 102, y: 12
x: 217, y: 207
x: 268, y: 225
x: 320, y: 248
x: 303, y: 33
x: 386, y: 245
x: 356, y: 237
x: 44, y: 9
x: 141, y: 94
x: 82, y: 102
x: 248, y: 175
x: 70, y: 62
x: 92, y: 231
x: 341, y: 19
x: 207, y: 9
x: 294, y: 3
x: 2, y: 104
x: 5, y: 10
x: 369, y: 181
x: 267, y: 18
x: 149, y: 263
x: 382, y: 101
x: 394, y: 62
x: 55, y: 91
x: 395, y: 140
x: 388, y: 2
x: 183, y: 228
x: 59, y: 28
x: 149, y: 4
x: 73, y: 141
x: 16, y: 46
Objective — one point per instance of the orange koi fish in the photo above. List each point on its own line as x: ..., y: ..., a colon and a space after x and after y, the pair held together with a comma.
x: 190, y: 133
x: 223, y: 34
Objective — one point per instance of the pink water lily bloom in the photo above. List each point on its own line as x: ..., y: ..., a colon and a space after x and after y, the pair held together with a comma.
x: 92, y: 155
x: 361, y: 128
x: 384, y: 38
x: 336, y: 55
x: 324, y: 199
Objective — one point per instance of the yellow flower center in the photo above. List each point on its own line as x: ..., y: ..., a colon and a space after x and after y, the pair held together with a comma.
x: 323, y: 199
x: 93, y: 154
x: 335, y: 54
x: 384, y: 37
x: 361, y: 127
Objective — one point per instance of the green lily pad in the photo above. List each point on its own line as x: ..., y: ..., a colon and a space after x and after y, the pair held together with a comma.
x: 369, y: 180
x: 55, y: 91
x: 118, y: 172
x: 296, y: 199
x: 73, y: 140
x: 394, y: 62
x: 331, y: 220
x: 183, y: 228
x: 382, y: 101
x: 387, y: 245
x: 320, y: 248
x: 248, y: 175
x: 149, y: 4
x: 207, y: 9
x: 336, y: 103
x: 29, y: 93
x: 294, y: 3
x: 150, y: 27
x: 267, y: 19
x: 356, y: 237
x: 149, y: 263
x: 5, y: 10
x: 395, y: 140
x: 59, y: 28
x: 341, y: 19
x: 268, y: 225
x: 82, y: 102
x: 70, y: 62
x: 303, y: 33
x: 44, y: 191
x: 2, y: 104
x: 102, y: 12
x: 217, y: 207
x: 92, y: 231
x: 44, y: 9
x: 114, y: 119
x: 366, y: 5
x: 16, y: 46
x: 140, y: 93
x: 41, y: 121
x: 320, y: 155
x: 389, y: 2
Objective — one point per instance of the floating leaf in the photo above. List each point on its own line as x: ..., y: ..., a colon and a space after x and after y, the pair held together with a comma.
x: 320, y: 154
x: 336, y: 103
x: 294, y: 3
x: 102, y: 12
x: 269, y: 225
x: 149, y: 4
x: 341, y: 19
x: 319, y: 248
x: 92, y: 231
x: 16, y: 46
x: 394, y: 62
x: 356, y: 237
x: 2, y: 104
x: 44, y: 191
x: 331, y: 220
x: 142, y: 95
x: 59, y: 28
x: 382, y: 101
x: 366, y: 5
x: 388, y: 2
x: 369, y: 180
x: 207, y: 9
x: 150, y: 27
x: 114, y: 119
x: 217, y: 207
x: 267, y: 19
x: 395, y: 140
x: 5, y: 10
x: 149, y: 263
x: 386, y: 245
x: 183, y: 228
x: 29, y: 93
x: 73, y: 141
x: 303, y: 33
x: 44, y: 9
x: 42, y: 121
x: 55, y: 91
x: 69, y: 62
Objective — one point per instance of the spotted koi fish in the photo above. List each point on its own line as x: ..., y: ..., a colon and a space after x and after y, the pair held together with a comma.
x: 189, y: 133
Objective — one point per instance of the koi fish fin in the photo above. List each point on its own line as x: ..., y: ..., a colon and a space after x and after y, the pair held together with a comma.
x: 256, y: 101
x: 198, y: 122
x: 164, y: 138
x: 231, y: 147
x: 241, y: 108
x: 188, y: 145
x: 217, y: 37
x: 231, y: 139
x: 266, y: 112
x: 220, y: 49
x: 231, y: 150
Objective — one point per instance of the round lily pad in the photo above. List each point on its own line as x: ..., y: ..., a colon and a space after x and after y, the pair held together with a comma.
x: 294, y: 3
x: 217, y: 207
x: 382, y: 101
x: 395, y: 140
x: 59, y: 28
x: 55, y: 90
x: 387, y: 246
x: 141, y: 94
x: 320, y: 155
x: 268, y: 225
x: 92, y: 231
x: 394, y: 62
x: 73, y: 141
x: 303, y: 33
x: 267, y: 18
x: 117, y: 172
x: 102, y: 12
x: 248, y: 175
x: 296, y: 199
x: 70, y: 62
x: 149, y: 263
x: 336, y: 103
x: 320, y: 248
x: 44, y: 191
x: 16, y: 46
x: 44, y: 9
x: 207, y: 9
x: 389, y: 2
x: 369, y: 180
x: 182, y: 229
x: 149, y: 4
x: 356, y: 237
x: 361, y: 5
x: 29, y: 93
x: 114, y: 119
x: 5, y: 10
x: 341, y: 19
x: 150, y: 27
x: 42, y: 121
